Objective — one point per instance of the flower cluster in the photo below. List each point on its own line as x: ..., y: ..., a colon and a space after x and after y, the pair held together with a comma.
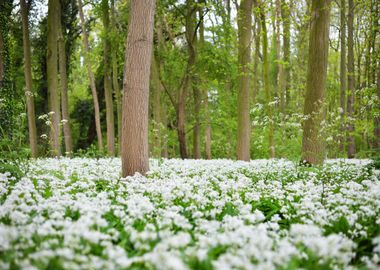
x: 191, y: 214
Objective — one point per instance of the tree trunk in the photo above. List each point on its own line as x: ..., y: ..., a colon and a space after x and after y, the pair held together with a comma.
x: 2, y: 72
x: 350, y: 80
x: 181, y: 118
x: 52, y: 77
x: 138, y: 53
x: 115, y: 81
x: 28, y: 80
x: 268, y: 94
x: 108, y: 81
x: 63, y: 80
x: 156, y: 98
x: 244, y: 60
x: 257, y: 34
x: 343, y: 73
x: 376, y: 144
x: 91, y: 77
x: 312, y: 143
x: 285, y: 15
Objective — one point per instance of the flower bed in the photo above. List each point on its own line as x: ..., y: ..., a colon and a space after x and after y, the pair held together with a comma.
x: 193, y: 214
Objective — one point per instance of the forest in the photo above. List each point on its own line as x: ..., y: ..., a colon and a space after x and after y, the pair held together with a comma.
x: 189, y: 134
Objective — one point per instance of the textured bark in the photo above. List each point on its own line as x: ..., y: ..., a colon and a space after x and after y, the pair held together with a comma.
x: 312, y: 143
x: 350, y: 80
x: 91, y: 77
x: 138, y: 53
x: 244, y: 59
x: 285, y: 76
x: 108, y: 81
x: 115, y: 81
x: 268, y: 94
x: 28, y: 79
x: 343, y: 69
x: 64, y: 88
x: 52, y: 77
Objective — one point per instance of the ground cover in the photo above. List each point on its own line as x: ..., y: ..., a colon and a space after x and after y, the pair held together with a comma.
x: 192, y: 214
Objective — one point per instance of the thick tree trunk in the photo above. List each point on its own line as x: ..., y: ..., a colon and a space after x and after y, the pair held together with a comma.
x: 244, y: 59
x: 350, y: 80
x: 268, y: 94
x: 52, y: 77
x: 115, y: 81
x: 64, y: 96
x: 108, y: 81
x: 138, y: 53
x: 343, y: 69
x: 312, y: 143
x: 91, y: 77
x: 28, y: 80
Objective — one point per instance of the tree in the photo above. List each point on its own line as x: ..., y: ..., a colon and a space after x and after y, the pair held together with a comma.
x: 343, y: 67
x: 52, y: 77
x: 28, y: 78
x: 64, y: 88
x: 285, y: 75
x: 268, y: 92
x: 138, y: 53
x: 108, y: 80
x: 312, y: 143
x: 91, y: 77
x: 350, y: 79
x: 244, y: 59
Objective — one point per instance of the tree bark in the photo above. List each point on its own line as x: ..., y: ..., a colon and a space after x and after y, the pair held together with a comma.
x: 377, y: 117
x: 312, y: 143
x: 63, y: 81
x: 350, y: 80
x: 28, y: 80
x: 257, y: 40
x: 108, y: 81
x: 343, y: 69
x: 134, y: 154
x: 268, y: 94
x: 52, y: 77
x: 91, y: 77
x: 244, y: 59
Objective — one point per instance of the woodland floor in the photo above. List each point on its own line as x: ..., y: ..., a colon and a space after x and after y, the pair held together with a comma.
x: 192, y: 214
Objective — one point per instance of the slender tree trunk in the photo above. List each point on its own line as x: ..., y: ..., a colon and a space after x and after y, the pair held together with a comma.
x: 115, y: 81
x: 256, y: 59
x: 91, y: 77
x: 138, y: 53
x: 156, y: 98
x: 28, y: 80
x: 376, y: 144
x: 2, y: 72
x: 181, y: 118
x: 343, y: 69
x: 63, y: 80
x: 52, y: 77
x: 205, y: 92
x: 268, y: 93
x: 108, y: 81
x: 244, y: 59
x: 312, y: 143
x: 285, y: 15
x: 350, y: 80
